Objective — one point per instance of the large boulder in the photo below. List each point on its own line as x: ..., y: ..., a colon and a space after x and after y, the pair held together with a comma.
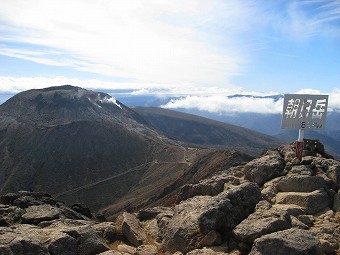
x: 291, y: 241
x: 132, y: 229
x: 62, y: 244
x: 197, y: 217
x: 313, y: 202
x: 207, y: 187
x: 14, y: 242
x: 265, y: 168
x: 292, y: 183
x: 38, y: 213
x: 262, y: 222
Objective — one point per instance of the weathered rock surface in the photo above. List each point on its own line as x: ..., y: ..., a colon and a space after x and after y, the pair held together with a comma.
x: 296, y: 211
x: 198, y: 216
x: 38, y: 213
x: 132, y: 229
x: 313, y: 202
x: 290, y: 241
x: 265, y: 168
x: 262, y: 222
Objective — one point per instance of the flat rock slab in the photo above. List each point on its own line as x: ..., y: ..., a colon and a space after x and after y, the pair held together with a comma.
x: 313, y: 202
x: 291, y: 241
x: 262, y: 222
x: 38, y: 213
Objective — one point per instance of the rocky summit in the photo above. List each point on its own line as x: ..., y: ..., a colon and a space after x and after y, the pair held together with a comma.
x: 274, y: 204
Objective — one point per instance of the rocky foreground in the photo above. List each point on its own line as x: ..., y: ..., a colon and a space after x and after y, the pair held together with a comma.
x: 274, y: 204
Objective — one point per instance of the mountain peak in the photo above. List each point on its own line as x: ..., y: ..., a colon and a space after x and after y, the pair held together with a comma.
x: 63, y: 104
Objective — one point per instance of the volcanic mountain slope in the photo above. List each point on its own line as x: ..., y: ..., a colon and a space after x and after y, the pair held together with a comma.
x: 86, y: 147
x: 66, y: 140
x: 197, y: 130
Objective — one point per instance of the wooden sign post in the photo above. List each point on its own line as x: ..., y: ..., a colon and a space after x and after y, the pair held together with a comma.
x: 302, y: 111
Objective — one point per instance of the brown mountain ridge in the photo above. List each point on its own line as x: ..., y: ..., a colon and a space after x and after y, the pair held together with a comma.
x: 85, y: 146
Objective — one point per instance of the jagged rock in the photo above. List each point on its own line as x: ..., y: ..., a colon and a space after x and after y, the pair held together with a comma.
x: 150, y: 213
x: 211, y: 239
x: 90, y: 242
x: 11, y: 214
x: 151, y: 228
x: 308, y: 220
x: 205, y: 251
x: 336, y: 202
x: 82, y: 209
x: 290, y: 241
x: 71, y: 214
x: 108, y: 230
x: 63, y: 244
x: 301, y: 170
x: 196, y: 217
x: 330, y: 167
x: 15, y: 244
x: 132, y: 229
x: 265, y: 168
x: 207, y: 187
x: 327, y: 227
x: 313, y: 202
x: 288, y: 152
x: 123, y: 248
x: 296, y: 223
x: 146, y: 250
x: 111, y: 252
x: 262, y: 222
x: 38, y: 213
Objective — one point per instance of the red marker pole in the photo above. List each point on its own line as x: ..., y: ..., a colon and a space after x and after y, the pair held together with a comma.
x: 299, y: 144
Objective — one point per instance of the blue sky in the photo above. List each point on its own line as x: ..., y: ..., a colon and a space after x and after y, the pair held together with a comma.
x: 187, y: 48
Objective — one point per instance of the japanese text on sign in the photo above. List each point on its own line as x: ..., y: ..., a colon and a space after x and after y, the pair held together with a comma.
x: 301, y: 111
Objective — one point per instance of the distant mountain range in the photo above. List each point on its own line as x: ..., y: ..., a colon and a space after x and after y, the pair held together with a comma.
x: 86, y: 146
x: 269, y: 124
x: 193, y: 129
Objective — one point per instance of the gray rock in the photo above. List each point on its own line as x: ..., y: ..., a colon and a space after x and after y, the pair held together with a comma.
x: 296, y: 223
x: 293, y: 183
x: 151, y: 213
x: 90, y: 242
x: 146, y: 250
x: 330, y: 167
x: 63, y: 244
x: 205, y: 251
x: 111, y: 252
x: 265, y: 168
x: 25, y: 246
x: 196, y: 217
x: 123, y: 248
x: 207, y: 187
x: 300, y: 184
x: 107, y: 229
x: 290, y: 241
x: 336, y: 202
x: 327, y: 228
x: 38, y: 213
x: 300, y: 170
x: 11, y: 214
x: 132, y: 229
x: 262, y: 222
x: 313, y: 202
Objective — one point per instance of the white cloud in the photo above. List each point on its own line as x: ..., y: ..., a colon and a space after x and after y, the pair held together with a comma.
x: 149, y: 41
x: 230, y: 105
x: 223, y: 105
x: 210, y: 99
